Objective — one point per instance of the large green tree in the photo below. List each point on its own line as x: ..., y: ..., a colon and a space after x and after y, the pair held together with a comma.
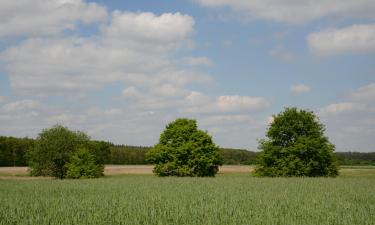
x: 184, y: 150
x: 55, y: 147
x: 296, y: 146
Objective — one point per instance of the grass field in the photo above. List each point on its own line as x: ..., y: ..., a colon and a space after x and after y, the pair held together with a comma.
x: 230, y: 198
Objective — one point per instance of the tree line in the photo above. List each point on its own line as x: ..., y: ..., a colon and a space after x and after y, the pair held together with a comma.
x: 13, y: 153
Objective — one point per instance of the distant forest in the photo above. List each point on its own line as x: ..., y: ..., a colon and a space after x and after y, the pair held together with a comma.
x: 13, y: 153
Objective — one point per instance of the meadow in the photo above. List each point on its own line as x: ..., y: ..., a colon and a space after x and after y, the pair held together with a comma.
x: 230, y: 198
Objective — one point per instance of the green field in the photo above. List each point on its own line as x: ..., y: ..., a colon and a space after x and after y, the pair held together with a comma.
x: 226, y: 199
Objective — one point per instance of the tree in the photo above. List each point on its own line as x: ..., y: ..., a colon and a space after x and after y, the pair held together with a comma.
x: 83, y: 165
x: 183, y: 150
x: 296, y: 146
x: 54, y: 148
x: 12, y: 150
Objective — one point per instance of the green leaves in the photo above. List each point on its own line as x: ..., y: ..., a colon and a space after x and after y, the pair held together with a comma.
x: 183, y: 150
x: 83, y: 165
x: 54, y: 148
x: 296, y: 146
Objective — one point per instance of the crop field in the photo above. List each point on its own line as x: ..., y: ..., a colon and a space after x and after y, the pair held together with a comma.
x: 110, y: 170
x: 230, y: 198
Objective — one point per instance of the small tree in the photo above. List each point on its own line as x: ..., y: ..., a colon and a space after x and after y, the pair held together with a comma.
x: 54, y: 148
x: 183, y: 150
x: 83, y: 165
x: 296, y: 146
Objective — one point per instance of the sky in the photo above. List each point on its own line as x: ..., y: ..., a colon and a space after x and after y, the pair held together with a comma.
x: 121, y: 70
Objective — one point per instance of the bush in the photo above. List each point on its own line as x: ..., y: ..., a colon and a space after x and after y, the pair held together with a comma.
x: 83, y: 165
x: 183, y: 150
x: 296, y: 146
x: 55, y: 147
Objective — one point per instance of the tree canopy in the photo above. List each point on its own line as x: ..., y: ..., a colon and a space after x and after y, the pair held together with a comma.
x: 184, y: 150
x: 296, y: 146
x: 82, y: 164
x: 55, y: 147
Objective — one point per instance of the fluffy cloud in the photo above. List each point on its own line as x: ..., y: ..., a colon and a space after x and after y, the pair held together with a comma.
x: 130, y: 125
x: 351, y: 124
x: 46, y: 17
x: 138, y: 53
x: 13, y: 107
x: 231, y: 104
x: 300, y: 88
x: 295, y: 11
x: 128, y: 50
x: 167, y: 28
x: 364, y: 94
x: 340, y: 108
x: 234, y: 103
x: 29, y: 117
x: 23, y: 117
x: 352, y: 39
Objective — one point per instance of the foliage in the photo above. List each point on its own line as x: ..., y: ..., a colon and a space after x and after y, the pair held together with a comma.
x: 13, y: 153
x: 237, y: 156
x: 54, y: 148
x: 228, y: 199
x: 296, y: 146
x: 101, y: 151
x: 128, y: 155
x: 13, y: 150
x: 355, y: 158
x: 183, y: 150
x: 83, y: 165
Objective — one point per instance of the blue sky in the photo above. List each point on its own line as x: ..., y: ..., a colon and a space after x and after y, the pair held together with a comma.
x: 121, y: 70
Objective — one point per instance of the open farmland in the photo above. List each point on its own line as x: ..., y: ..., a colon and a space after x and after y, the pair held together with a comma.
x: 111, y: 170
x: 230, y: 198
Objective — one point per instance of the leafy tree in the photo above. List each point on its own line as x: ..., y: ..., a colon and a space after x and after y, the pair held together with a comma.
x: 12, y: 150
x: 296, y: 146
x: 101, y: 150
x: 83, y: 165
x: 54, y: 148
x: 183, y: 150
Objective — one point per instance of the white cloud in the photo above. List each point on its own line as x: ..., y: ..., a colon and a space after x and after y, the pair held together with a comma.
x: 136, y: 51
x: 231, y: 130
x: 16, y: 106
x: 340, y: 108
x: 22, y: 117
x: 125, y: 51
x: 232, y: 104
x: 168, y: 28
x: 197, y: 99
x: 352, y: 39
x: 364, y: 94
x: 300, y: 88
x: 168, y: 90
x: 351, y: 124
x: 131, y: 92
x: 198, y: 61
x: 46, y: 17
x: 295, y: 11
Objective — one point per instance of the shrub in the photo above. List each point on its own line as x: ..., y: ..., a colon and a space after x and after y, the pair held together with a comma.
x: 183, y: 150
x: 83, y: 165
x: 54, y: 148
x: 296, y: 146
